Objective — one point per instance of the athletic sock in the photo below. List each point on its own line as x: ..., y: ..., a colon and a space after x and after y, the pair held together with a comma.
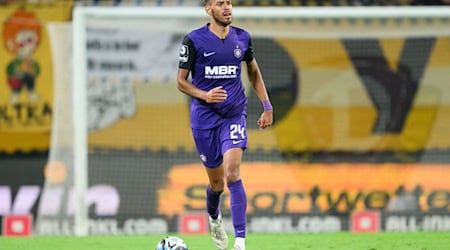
x: 212, y: 202
x: 238, y: 205
x: 240, y: 242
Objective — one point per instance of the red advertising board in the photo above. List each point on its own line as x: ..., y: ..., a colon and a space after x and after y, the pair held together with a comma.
x: 17, y: 225
x: 193, y: 223
x: 365, y: 222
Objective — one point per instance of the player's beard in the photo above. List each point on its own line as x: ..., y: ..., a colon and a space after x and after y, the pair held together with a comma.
x: 217, y: 19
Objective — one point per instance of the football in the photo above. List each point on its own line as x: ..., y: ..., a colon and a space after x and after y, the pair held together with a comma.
x: 171, y: 243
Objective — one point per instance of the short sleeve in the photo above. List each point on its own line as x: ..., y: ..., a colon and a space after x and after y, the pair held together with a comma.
x: 248, y: 57
x: 187, y: 54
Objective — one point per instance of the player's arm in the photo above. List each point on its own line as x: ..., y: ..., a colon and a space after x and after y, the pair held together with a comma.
x: 186, y: 64
x: 214, y: 95
x: 256, y: 79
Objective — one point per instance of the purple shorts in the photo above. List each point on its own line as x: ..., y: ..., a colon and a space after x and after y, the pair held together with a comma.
x: 213, y: 143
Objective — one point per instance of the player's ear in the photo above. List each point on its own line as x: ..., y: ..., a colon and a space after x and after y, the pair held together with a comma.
x: 208, y: 9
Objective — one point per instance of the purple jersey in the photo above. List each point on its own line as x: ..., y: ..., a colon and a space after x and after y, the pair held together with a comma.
x: 215, y: 62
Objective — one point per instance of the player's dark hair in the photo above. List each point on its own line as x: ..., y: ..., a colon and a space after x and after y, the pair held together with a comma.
x: 205, y: 2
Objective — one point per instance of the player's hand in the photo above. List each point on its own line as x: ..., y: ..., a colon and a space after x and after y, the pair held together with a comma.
x: 217, y: 94
x: 266, y: 119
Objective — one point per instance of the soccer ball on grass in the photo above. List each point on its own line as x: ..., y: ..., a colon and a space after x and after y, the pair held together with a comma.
x: 171, y: 243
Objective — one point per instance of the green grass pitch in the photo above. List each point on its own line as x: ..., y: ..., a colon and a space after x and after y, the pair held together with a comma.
x: 325, y: 241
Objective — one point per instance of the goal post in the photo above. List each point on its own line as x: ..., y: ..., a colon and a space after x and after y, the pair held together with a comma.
x: 79, y: 97
x: 264, y: 22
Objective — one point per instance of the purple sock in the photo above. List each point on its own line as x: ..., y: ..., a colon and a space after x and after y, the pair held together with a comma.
x: 238, y: 205
x: 212, y: 202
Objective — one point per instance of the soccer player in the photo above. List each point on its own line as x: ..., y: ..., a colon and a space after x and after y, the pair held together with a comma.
x: 213, y: 54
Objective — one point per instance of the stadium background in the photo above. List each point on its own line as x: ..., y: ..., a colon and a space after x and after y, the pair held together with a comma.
x: 360, y: 126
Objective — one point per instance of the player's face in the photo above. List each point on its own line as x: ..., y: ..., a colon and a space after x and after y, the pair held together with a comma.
x: 221, y: 12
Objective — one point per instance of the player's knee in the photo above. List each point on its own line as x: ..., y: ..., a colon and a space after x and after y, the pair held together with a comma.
x: 217, y: 185
x: 233, y: 175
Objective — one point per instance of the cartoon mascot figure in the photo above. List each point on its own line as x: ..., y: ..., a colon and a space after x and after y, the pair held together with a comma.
x: 21, y: 36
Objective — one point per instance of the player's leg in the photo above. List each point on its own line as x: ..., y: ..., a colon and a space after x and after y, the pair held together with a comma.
x: 209, y: 149
x: 234, y: 136
x: 213, y: 193
x: 214, y: 190
x: 238, y: 197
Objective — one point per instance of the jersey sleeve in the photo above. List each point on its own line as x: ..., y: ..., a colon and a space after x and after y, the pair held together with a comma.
x: 248, y: 57
x: 187, y: 54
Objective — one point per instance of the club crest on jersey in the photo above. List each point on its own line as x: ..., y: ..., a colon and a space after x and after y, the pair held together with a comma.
x: 237, y: 52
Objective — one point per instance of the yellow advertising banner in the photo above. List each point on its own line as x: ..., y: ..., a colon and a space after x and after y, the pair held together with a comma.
x: 363, y: 94
x: 281, y: 188
x: 343, y: 100
x: 26, y: 78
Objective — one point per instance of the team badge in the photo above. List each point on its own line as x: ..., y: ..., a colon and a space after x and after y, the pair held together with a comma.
x: 237, y: 52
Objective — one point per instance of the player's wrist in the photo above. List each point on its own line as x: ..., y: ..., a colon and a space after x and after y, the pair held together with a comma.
x: 267, y: 105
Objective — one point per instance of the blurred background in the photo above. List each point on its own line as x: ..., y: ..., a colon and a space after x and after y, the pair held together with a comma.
x: 360, y: 140
x: 237, y: 3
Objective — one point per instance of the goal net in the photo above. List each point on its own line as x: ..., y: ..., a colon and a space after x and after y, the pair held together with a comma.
x: 361, y: 113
